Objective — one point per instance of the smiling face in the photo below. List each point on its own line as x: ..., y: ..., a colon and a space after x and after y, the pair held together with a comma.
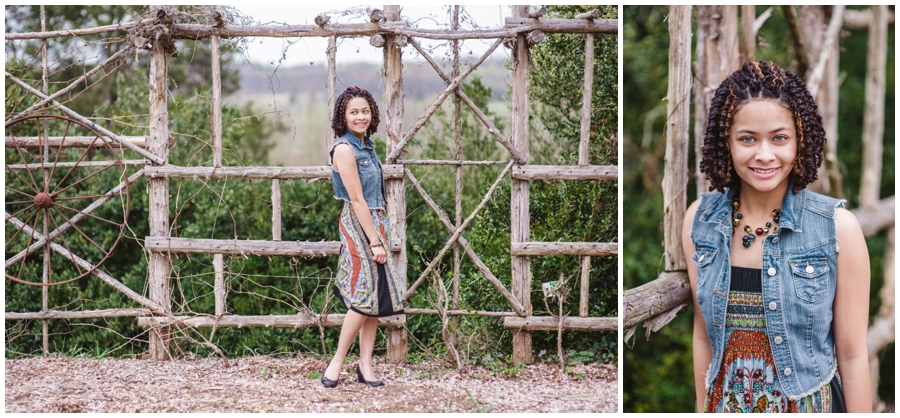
x: 763, y: 144
x: 358, y: 116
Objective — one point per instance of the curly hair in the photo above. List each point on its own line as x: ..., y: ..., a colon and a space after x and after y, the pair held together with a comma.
x: 339, y: 119
x: 762, y: 80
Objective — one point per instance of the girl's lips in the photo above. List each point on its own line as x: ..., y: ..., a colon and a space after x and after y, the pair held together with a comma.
x: 764, y: 173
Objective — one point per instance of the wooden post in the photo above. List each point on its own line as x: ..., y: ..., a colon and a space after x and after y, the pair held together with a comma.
x: 520, y: 218
x: 276, y: 210
x: 586, y: 95
x: 45, y: 173
x: 748, y: 34
x: 678, y: 110
x: 397, y: 339
x: 332, y: 94
x: 457, y: 127
x: 219, y: 286
x: 716, y: 60
x: 829, y: 173
x: 159, y: 266
x: 216, y: 107
x: 873, y: 117
x: 585, y: 286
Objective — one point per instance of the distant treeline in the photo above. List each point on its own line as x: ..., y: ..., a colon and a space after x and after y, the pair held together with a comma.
x: 419, y: 80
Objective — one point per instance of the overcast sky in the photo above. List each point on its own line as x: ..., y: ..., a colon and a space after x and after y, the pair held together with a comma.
x: 307, y: 51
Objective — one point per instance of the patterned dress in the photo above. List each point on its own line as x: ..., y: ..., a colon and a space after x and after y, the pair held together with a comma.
x: 748, y: 380
x: 364, y: 285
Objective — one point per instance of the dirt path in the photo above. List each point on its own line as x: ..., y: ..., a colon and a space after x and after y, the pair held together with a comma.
x: 290, y: 384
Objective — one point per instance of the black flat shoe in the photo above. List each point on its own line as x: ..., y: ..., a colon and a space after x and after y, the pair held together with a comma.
x: 361, y: 379
x: 328, y: 383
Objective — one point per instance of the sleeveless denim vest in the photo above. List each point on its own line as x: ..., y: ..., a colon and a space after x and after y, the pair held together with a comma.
x: 799, y: 275
x: 369, y: 167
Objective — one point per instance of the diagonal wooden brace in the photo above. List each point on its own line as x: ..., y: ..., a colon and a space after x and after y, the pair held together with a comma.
x: 513, y: 302
x: 124, y: 142
x: 457, y: 233
x: 437, y: 103
x: 72, y: 86
x: 478, y: 113
x: 88, y: 266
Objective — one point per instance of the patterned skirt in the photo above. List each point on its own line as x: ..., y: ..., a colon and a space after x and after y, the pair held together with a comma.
x: 363, y: 285
x: 747, y: 380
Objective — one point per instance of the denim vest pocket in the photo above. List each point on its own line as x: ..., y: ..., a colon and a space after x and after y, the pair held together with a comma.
x: 366, y: 165
x: 810, y: 278
x: 703, y: 257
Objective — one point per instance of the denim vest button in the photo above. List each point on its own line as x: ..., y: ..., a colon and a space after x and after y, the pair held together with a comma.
x: 778, y: 340
x: 771, y: 271
x: 787, y: 371
x: 773, y: 305
x: 810, y: 269
x: 774, y: 240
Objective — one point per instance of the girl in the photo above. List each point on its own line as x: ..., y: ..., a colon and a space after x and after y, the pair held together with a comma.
x: 779, y: 274
x: 366, y: 283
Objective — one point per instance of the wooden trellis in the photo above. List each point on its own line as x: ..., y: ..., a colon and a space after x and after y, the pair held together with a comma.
x: 388, y: 31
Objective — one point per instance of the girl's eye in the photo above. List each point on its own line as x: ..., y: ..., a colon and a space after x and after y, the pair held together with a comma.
x: 746, y: 139
x: 780, y: 138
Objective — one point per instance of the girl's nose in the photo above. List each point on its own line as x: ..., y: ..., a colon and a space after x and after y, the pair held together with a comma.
x: 764, y: 152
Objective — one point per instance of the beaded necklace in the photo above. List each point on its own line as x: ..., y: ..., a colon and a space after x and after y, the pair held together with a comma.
x: 736, y: 217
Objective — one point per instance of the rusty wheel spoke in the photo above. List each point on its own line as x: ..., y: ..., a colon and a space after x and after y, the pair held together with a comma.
x: 15, y: 173
x: 105, y: 253
x: 21, y: 227
x: 65, y: 242
x: 87, y: 214
x: 60, y: 182
x: 30, y: 237
x: 10, y: 189
x: 33, y: 185
x: 17, y: 213
x: 56, y: 192
x: 96, y: 196
x: 58, y: 153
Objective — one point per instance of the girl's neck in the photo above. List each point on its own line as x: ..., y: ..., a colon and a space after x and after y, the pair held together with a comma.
x: 755, y: 203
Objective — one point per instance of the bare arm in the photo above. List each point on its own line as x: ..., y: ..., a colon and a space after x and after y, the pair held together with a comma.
x: 344, y: 161
x: 851, y: 313
x: 702, y: 348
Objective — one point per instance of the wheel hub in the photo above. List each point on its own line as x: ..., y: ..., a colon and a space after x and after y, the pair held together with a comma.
x: 43, y: 200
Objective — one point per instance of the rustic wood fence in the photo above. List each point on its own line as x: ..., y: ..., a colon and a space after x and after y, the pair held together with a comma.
x: 386, y: 30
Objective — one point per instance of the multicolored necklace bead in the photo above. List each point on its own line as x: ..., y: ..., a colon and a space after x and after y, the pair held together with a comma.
x: 736, y: 217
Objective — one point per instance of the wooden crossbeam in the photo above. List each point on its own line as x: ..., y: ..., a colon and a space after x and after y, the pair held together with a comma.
x: 72, y: 141
x: 565, y: 248
x: 266, y: 321
x: 390, y: 171
x: 604, y: 26
x: 100, y: 313
x: 242, y: 247
x: 549, y: 323
x: 565, y: 172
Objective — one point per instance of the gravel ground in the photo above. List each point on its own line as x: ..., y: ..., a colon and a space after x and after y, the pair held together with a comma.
x: 290, y: 384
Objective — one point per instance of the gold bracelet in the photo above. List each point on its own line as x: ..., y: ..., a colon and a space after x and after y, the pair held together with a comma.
x: 375, y: 245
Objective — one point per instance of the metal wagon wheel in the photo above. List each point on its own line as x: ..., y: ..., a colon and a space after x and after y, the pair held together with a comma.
x: 55, y: 195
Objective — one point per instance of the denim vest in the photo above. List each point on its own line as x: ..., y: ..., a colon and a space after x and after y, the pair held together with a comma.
x: 799, y: 275
x: 369, y: 167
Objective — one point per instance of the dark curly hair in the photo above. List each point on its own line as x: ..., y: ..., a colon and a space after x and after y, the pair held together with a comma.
x: 762, y: 80
x: 339, y: 120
